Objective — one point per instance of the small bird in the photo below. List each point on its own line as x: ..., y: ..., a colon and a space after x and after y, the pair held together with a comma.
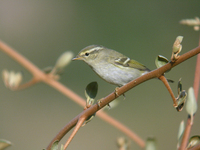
x: 110, y: 65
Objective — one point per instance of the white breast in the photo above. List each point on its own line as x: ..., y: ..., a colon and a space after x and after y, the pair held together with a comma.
x: 116, y: 75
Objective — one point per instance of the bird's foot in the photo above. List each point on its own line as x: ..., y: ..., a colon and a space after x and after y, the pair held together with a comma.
x: 116, y: 93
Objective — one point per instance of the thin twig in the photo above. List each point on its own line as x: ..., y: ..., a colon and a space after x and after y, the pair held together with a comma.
x: 22, y: 60
x: 196, y: 89
x: 36, y: 72
x: 30, y: 83
x: 165, y: 82
x: 155, y: 73
x: 78, y: 125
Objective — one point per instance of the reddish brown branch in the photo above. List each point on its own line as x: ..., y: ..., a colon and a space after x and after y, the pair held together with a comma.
x: 155, y: 73
x: 78, y: 125
x: 22, y: 60
x: 186, y: 134
x: 197, y: 77
x: 165, y: 82
x: 43, y: 77
x: 40, y: 76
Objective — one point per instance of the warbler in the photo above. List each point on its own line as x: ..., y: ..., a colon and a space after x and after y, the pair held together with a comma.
x: 110, y: 65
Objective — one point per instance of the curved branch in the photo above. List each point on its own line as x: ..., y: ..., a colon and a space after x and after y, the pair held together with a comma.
x: 41, y: 76
x: 153, y: 74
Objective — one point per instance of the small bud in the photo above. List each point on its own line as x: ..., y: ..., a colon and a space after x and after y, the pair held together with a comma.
x: 15, y: 79
x: 55, y: 145
x: 191, y: 105
x: 150, y: 144
x: 180, y: 133
x: 193, y: 141
x: 177, y: 44
x: 62, y: 147
x: 176, y: 49
x: 5, y: 75
x: 192, y: 22
x: 181, y: 129
x: 196, y: 28
x: 122, y: 143
x: 12, y: 79
x: 62, y: 61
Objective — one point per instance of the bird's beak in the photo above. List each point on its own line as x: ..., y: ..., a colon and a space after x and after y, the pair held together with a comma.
x: 76, y: 58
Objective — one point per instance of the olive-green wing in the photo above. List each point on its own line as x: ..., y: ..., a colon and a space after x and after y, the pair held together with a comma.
x: 127, y: 62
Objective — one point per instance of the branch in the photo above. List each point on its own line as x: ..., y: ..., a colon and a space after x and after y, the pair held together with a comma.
x: 40, y: 76
x: 196, y: 89
x: 153, y: 74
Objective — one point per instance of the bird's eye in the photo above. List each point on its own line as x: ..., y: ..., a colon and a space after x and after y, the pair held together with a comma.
x: 86, y: 54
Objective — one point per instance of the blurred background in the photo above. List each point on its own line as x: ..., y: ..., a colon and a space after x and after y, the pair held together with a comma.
x: 42, y: 30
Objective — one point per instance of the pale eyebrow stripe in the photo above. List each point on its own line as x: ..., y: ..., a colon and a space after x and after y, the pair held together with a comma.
x: 96, y: 48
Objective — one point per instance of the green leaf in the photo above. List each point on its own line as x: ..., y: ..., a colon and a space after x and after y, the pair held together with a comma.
x: 180, y: 132
x: 62, y: 147
x: 150, y: 144
x: 179, y: 86
x: 161, y: 61
x: 55, y: 145
x: 194, y: 140
x: 181, y: 129
x: 4, y: 144
x: 181, y: 100
x: 91, y: 92
x: 191, y: 105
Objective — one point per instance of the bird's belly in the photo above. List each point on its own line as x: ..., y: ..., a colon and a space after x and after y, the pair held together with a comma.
x: 116, y: 75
